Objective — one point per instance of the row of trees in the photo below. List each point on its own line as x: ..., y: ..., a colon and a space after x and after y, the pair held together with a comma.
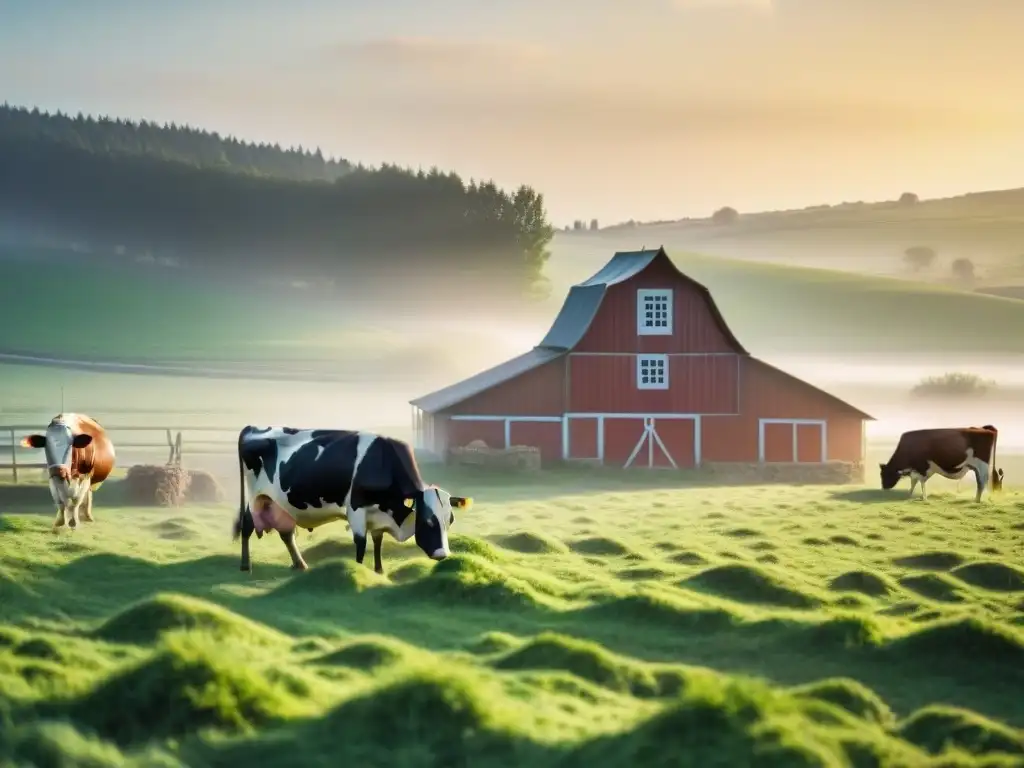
x: 150, y: 199
x: 202, y: 149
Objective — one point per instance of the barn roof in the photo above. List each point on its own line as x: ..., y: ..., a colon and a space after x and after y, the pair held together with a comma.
x: 474, y: 385
x: 585, y: 298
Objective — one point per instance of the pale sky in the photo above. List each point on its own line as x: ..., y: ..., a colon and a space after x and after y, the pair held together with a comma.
x: 645, y: 109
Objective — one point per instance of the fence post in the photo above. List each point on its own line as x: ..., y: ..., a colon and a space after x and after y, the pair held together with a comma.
x: 14, y: 458
x: 177, y: 448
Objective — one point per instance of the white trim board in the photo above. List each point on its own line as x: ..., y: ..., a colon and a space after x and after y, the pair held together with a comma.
x: 794, y: 423
x: 506, y: 418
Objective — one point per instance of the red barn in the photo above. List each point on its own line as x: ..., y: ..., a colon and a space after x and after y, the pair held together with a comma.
x: 640, y: 369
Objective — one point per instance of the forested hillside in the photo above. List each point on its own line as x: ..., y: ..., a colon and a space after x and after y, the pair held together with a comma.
x: 114, y: 184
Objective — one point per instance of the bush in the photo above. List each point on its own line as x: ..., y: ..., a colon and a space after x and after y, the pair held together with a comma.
x: 909, y: 198
x: 963, y: 269
x: 953, y: 385
x: 919, y: 256
x: 725, y: 215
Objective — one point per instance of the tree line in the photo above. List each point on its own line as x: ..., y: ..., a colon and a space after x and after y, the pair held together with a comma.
x: 223, y: 203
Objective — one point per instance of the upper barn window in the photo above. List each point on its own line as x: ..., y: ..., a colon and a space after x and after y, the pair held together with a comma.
x: 652, y: 372
x: 654, y: 312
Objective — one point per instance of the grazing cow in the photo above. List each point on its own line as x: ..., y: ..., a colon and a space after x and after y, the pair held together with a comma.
x: 308, y: 477
x: 79, y: 457
x: 947, y: 452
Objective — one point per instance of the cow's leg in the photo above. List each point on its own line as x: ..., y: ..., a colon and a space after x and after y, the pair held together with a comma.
x: 913, y: 485
x: 378, y: 546
x: 357, y: 523
x: 288, y: 537
x: 58, y: 521
x: 87, y: 507
x: 981, y: 474
x: 246, y: 530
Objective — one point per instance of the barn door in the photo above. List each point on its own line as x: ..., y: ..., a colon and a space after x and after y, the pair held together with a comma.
x: 622, y: 438
x: 674, y: 443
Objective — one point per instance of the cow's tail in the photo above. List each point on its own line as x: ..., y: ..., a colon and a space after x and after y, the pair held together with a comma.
x: 992, y: 469
x: 237, y: 530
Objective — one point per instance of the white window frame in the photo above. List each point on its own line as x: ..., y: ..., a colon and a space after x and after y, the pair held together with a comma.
x: 645, y: 295
x: 663, y: 359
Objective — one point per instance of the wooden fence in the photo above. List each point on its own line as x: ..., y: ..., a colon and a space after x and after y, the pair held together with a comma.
x: 14, y: 456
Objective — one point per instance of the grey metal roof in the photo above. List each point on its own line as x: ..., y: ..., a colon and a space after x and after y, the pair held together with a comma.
x: 584, y: 298
x: 474, y: 385
x: 624, y: 265
x: 574, y: 317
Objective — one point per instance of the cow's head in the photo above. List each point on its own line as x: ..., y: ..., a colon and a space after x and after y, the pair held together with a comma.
x: 57, y: 445
x: 890, y: 476
x: 435, y: 515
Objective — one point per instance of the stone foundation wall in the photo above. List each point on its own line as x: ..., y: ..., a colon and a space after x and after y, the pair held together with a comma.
x: 523, y: 458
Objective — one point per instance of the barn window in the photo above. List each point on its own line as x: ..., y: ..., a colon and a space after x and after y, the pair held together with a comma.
x: 652, y: 372
x: 654, y: 312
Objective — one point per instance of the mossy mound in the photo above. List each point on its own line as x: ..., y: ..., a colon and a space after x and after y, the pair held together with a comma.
x: 530, y: 543
x: 963, y: 643
x: 993, y: 576
x: 749, y: 584
x: 851, y: 696
x: 930, y: 561
x: 934, y: 586
x: 366, y: 653
x: 189, y: 684
x: 936, y: 729
x: 145, y: 622
x: 867, y: 583
x: 471, y: 580
x: 599, y: 546
x: 586, y: 660
x: 330, y: 577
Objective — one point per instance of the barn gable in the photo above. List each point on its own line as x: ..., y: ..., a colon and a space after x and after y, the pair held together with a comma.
x: 585, y: 300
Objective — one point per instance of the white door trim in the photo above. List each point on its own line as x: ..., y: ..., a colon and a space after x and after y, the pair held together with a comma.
x: 794, y: 423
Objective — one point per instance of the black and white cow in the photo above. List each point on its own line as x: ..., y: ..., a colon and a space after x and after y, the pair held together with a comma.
x: 950, y: 452
x: 305, y: 478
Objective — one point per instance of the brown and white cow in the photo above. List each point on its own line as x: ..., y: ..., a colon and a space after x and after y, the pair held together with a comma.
x: 950, y: 452
x: 79, y: 457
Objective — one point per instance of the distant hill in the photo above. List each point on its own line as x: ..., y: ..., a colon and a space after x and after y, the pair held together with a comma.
x: 986, y: 228
x: 195, y: 198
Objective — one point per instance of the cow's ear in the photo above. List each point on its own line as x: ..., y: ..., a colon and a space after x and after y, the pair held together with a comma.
x: 461, y: 502
x: 81, y: 441
x: 409, y: 502
x: 33, y: 441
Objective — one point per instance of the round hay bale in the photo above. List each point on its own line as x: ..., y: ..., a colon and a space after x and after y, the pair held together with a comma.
x: 149, y: 484
x: 203, y: 488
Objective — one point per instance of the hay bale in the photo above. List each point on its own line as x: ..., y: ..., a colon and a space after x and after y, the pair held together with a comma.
x: 203, y: 488
x: 149, y: 484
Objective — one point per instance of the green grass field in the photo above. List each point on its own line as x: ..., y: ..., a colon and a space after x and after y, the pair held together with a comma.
x: 613, y: 624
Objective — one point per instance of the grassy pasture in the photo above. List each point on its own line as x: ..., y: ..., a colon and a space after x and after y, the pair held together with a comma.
x: 598, y: 625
